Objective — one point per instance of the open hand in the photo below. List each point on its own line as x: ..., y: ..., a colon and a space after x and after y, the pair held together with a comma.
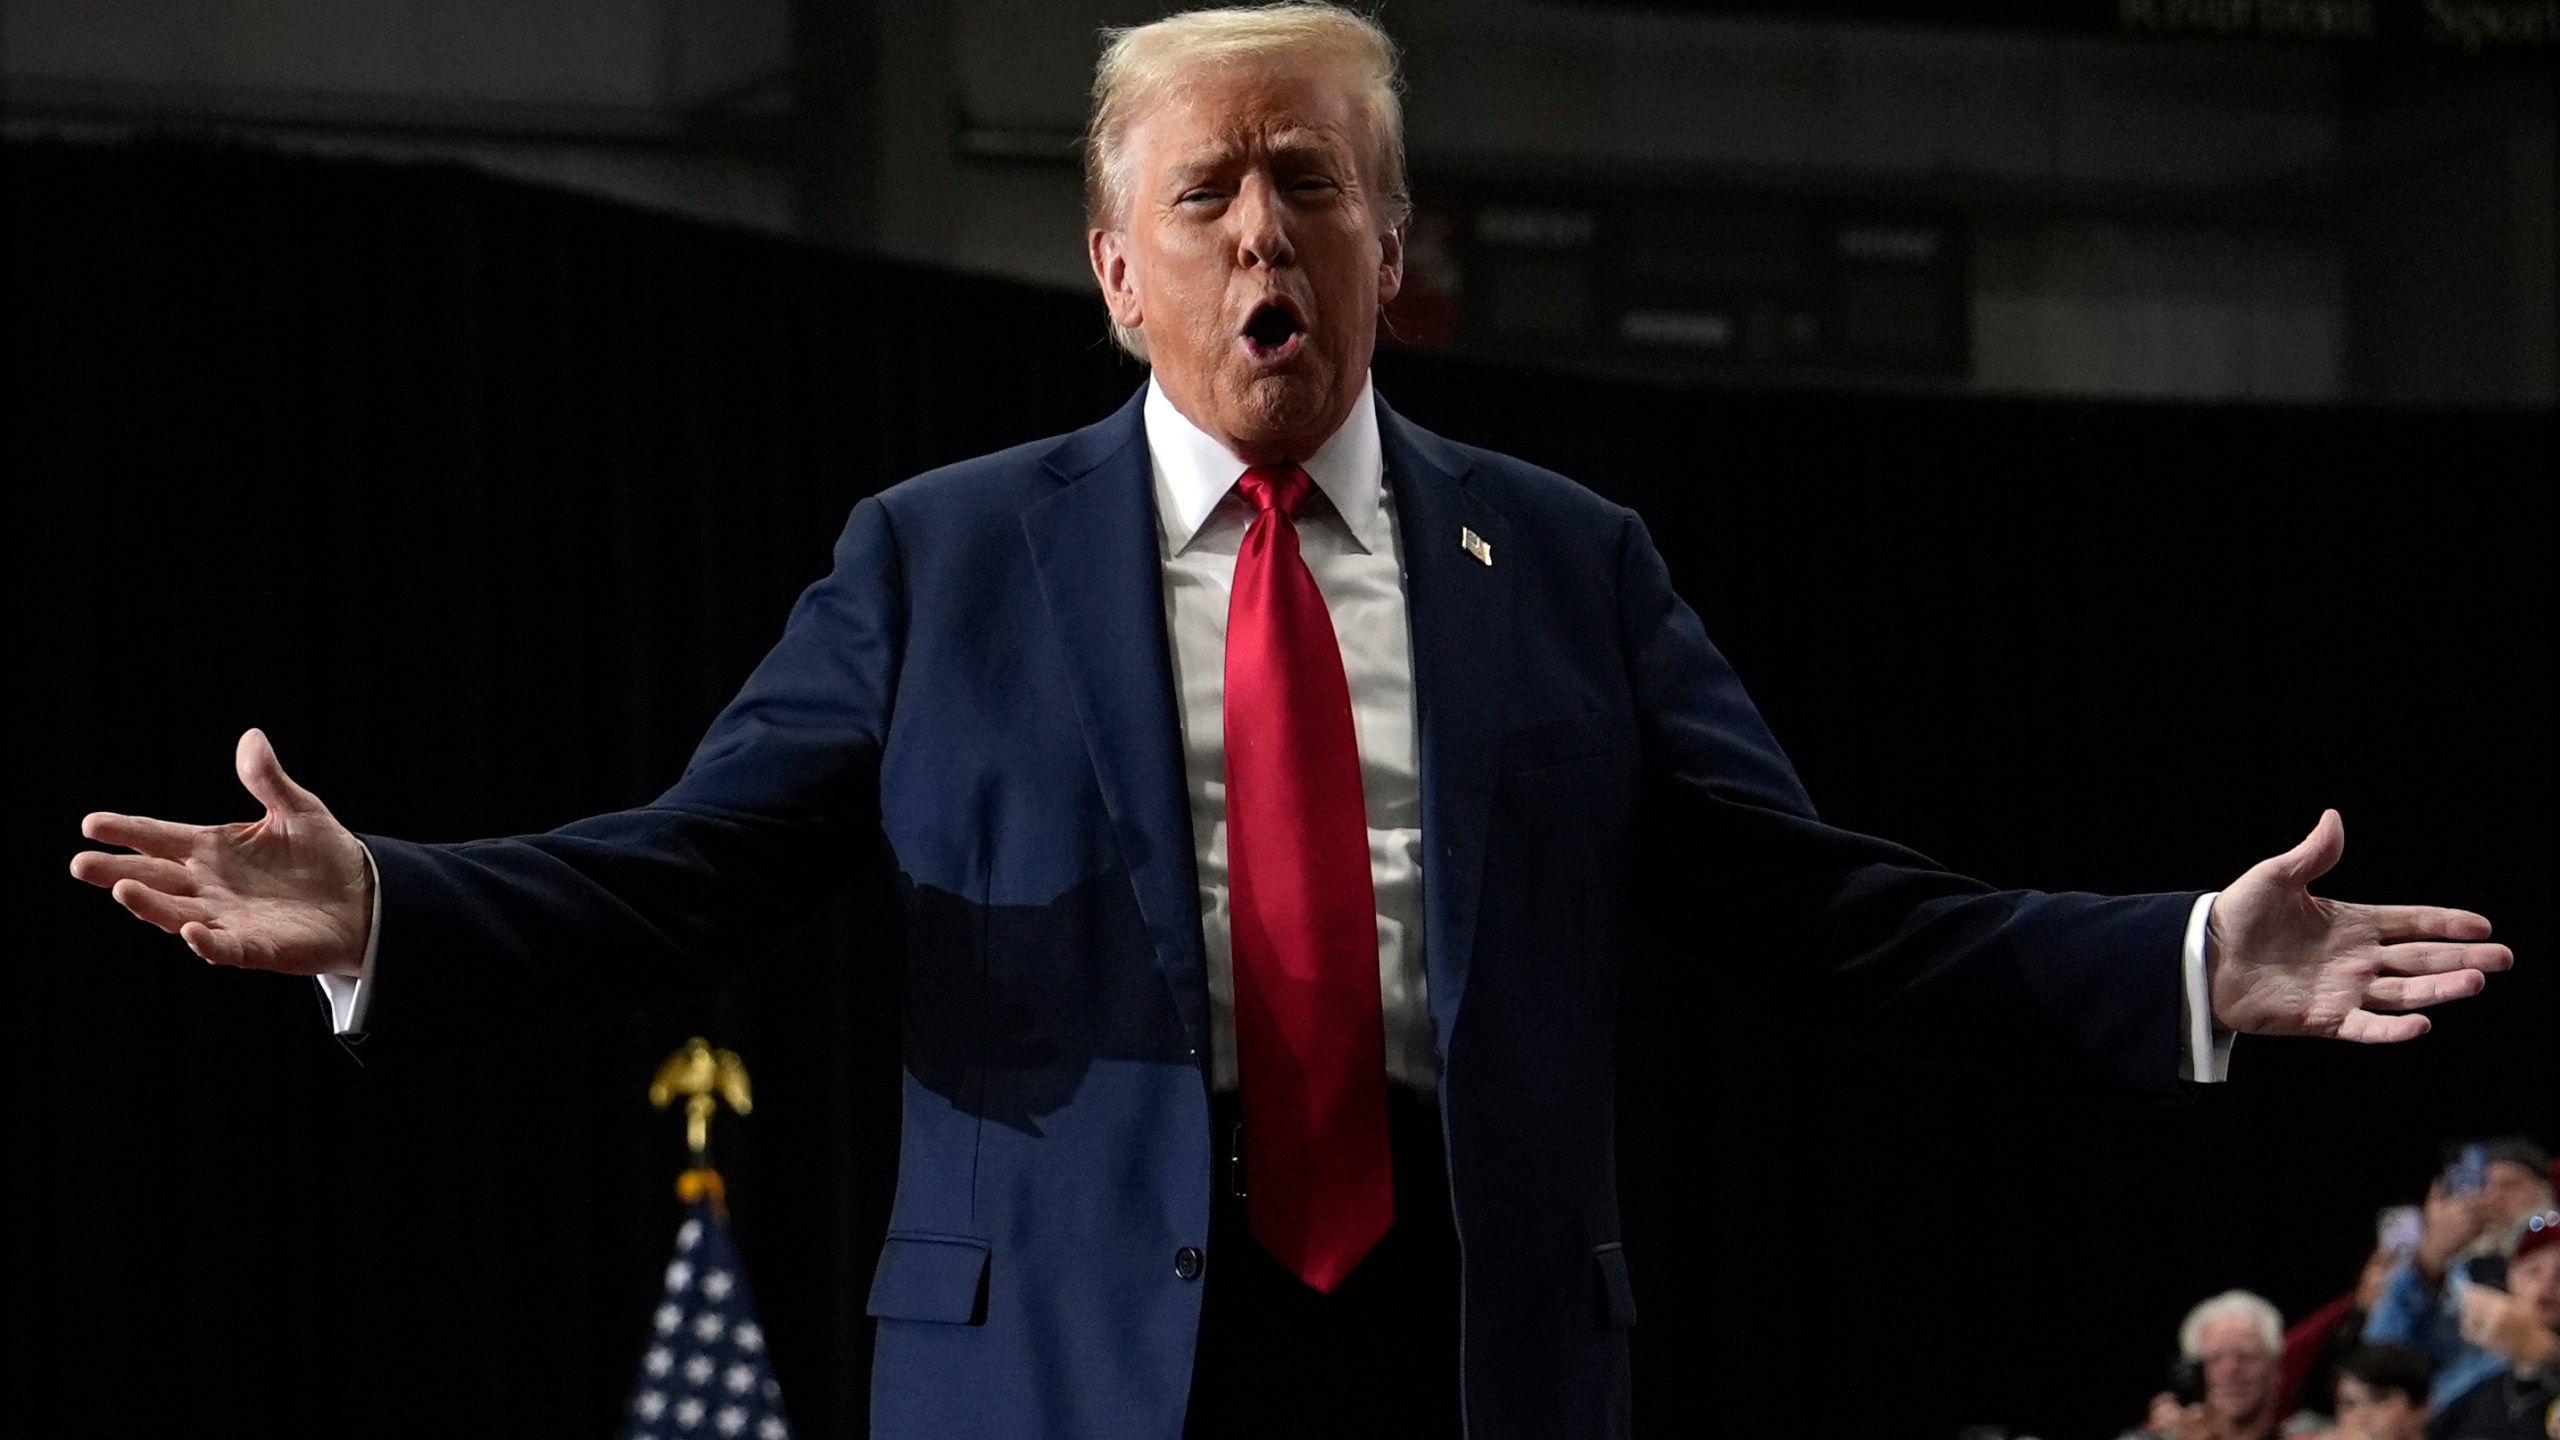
x: 2171, y: 1420
x: 2285, y: 962
x: 291, y: 892
x: 2452, y: 1223
x: 2499, y: 1322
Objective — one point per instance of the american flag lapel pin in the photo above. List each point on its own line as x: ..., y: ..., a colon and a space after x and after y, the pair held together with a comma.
x: 1474, y: 544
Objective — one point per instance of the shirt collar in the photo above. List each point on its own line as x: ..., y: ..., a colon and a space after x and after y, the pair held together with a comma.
x: 1193, y: 472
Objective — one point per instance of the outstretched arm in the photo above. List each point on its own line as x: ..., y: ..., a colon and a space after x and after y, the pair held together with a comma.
x: 610, y: 912
x: 1872, y: 931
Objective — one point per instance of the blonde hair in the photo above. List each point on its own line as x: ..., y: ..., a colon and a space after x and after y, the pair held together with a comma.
x: 1140, y: 62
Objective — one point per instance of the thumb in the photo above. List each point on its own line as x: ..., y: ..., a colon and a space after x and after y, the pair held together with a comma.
x: 265, y: 779
x: 2319, y: 850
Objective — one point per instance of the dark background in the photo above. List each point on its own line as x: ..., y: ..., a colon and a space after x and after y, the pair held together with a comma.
x: 480, y: 498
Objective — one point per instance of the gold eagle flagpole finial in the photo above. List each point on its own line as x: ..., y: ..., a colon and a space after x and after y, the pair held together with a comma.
x: 699, y: 1073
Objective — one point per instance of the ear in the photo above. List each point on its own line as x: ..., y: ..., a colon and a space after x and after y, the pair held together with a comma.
x: 1119, y: 281
x: 1390, y: 263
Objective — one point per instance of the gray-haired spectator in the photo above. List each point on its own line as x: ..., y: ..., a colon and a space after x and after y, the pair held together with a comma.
x: 2236, y: 1337
x: 2232, y: 1342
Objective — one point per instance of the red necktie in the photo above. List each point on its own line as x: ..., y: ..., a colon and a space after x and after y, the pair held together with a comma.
x: 1310, y: 1040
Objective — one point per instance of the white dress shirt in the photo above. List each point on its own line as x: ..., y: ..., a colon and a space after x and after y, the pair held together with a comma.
x: 1349, y: 541
x: 1351, y: 547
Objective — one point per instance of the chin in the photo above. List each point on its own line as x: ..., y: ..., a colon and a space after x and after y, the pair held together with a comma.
x: 1280, y: 406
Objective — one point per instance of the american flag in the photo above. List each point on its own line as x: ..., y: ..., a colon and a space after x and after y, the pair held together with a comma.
x: 705, y: 1374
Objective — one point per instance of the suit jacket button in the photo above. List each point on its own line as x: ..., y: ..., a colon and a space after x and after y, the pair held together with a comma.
x: 1186, y: 1263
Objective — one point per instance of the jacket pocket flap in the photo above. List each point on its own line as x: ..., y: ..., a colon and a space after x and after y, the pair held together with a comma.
x: 931, y: 1277
x: 1617, y: 1294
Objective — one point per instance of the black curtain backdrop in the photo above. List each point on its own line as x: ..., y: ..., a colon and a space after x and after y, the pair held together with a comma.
x: 481, y: 498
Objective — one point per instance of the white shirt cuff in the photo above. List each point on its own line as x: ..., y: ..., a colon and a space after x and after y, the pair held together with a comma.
x: 2204, y: 1049
x: 347, y: 992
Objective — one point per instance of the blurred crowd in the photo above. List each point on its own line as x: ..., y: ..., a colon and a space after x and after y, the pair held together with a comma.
x: 2452, y: 1331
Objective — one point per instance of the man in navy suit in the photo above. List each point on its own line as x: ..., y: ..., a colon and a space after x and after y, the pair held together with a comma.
x: 1274, y: 787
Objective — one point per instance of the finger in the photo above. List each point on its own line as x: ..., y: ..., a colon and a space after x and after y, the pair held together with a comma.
x: 102, y: 869
x: 166, y: 911
x: 263, y: 774
x: 2366, y: 1028
x: 215, y: 947
x: 2319, y: 850
x: 2434, y: 958
x: 165, y: 838
x: 2394, y: 993
x: 2426, y: 922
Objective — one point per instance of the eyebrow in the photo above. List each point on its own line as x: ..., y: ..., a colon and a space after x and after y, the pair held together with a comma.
x: 1297, y: 142
x: 1300, y: 140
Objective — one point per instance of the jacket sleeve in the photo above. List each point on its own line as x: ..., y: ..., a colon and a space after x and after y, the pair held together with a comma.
x: 2407, y: 1314
x: 1860, y: 936
x: 771, y: 816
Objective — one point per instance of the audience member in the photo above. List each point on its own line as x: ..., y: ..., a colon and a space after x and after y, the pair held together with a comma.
x: 2382, y: 1393
x: 2452, y: 1331
x: 2421, y: 1305
x: 2519, y: 1327
x: 2231, y: 1342
x: 2316, y: 1346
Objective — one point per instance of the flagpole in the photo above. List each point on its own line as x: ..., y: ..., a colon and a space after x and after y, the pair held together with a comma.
x: 703, y: 1077
x: 705, y: 1373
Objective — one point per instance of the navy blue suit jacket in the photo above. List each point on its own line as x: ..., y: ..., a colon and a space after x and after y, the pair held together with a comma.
x: 980, y: 692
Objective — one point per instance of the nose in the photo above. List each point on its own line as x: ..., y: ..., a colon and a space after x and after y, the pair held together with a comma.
x: 1261, y: 225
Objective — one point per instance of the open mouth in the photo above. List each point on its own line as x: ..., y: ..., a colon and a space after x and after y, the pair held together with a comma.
x: 1274, y: 332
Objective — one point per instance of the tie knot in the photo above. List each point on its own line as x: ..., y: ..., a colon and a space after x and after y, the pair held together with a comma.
x: 1276, y: 487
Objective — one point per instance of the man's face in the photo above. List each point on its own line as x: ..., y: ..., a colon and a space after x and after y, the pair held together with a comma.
x: 2239, y: 1370
x: 2535, y: 1281
x: 2365, y: 1413
x: 2511, y: 1191
x: 1253, y: 253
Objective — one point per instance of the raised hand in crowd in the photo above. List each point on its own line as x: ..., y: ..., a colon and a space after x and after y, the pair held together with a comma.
x: 2505, y: 1324
x: 2169, y: 1419
x: 2452, y: 1222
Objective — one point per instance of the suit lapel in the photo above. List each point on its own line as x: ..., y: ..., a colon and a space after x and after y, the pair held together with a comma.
x: 1458, y: 609
x: 1094, y: 550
